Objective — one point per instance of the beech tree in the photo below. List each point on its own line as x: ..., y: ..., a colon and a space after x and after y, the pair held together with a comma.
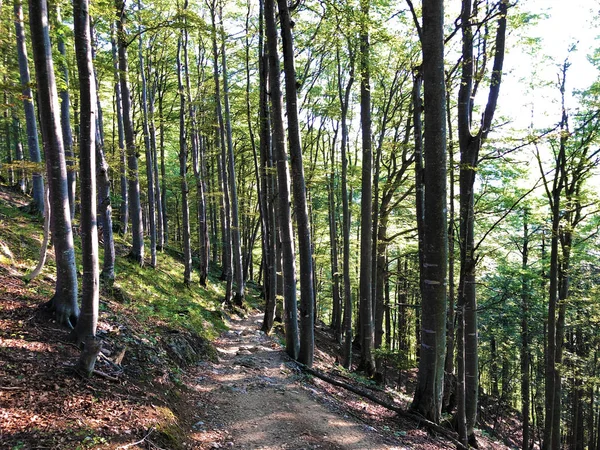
x: 85, y: 331
x: 133, y: 192
x: 28, y: 105
x: 470, y: 145
x: 428, y: 393
x: 64, y: 300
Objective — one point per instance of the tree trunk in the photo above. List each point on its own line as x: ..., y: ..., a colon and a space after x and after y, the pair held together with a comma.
x: 149, y: 157
x: 238, y: 273
x: 525, y: 354
x: 227, y: 258
x: 183, y: 157
x: 283, y: 178
x: 135, y: 210
x: 470, y: 145
x: 344, y: 97
x: 88, y: 319
x: 268, y: 182
x: 64, y: 301
x: 307, y: 294
x: 366, y: 210
x: 28, y: 105
x: 124, y: 207
x: 428, y: 394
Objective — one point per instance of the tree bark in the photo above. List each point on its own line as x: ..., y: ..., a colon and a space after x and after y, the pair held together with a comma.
x: 135, y: 210
x: 124, y: 208
x: 88, y: 319
x: 366, y: 210
x: 64, y: 301
x: 428, y: 394
x: 149, y: 156
x: 470, y: 145
x: 307, y: 293
x: 28, y: 104
x: 183, y: 157
x: 238, y: 273
x: 283, y: 178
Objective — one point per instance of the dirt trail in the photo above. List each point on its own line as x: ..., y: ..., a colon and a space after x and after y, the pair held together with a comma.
x: 254, y: 398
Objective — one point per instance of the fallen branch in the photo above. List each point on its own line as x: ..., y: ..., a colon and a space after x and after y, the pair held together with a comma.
x: 105, y: 375
x: 409, y: 415
x: 123, y: 447
x: 11, y: 388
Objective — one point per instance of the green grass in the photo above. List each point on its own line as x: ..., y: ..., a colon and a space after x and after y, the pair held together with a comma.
x: 154, y: 296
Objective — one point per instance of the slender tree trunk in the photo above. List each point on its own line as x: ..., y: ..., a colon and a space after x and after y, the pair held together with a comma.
x: 135, y: 209
x: 470, y: 145
x: 525, y: 353
x: 268, y: 190
x: 28, y: 105
x: 428, y: 393
x: 283, y: 178
x: 149, y: 156
x: 65, y: 117
x: 344, y: 97
x: 183, y: 157
x: 336, y: 316
x: 227, y: 258
x: 307, y: 294
x: 163, y: 171
x: 366, y: 242
x: 238, y: 273
x: 124, y: 208
x: 64, y: 301
x: 103, y: 185
x: 88, y: 320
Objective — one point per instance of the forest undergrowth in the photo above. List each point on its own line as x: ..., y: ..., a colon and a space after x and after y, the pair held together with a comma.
x: 159, y: 380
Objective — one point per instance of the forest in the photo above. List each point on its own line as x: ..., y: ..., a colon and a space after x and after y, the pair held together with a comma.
x: 362, y: 164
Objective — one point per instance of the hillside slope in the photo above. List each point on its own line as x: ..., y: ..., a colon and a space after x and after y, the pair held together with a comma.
x: 176, y: 371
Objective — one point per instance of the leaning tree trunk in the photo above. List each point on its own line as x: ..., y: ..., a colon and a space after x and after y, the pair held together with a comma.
x: 283, y: 178
x: 88, y: 320
x: 307, y: 293
x: 428, y: 393
x: 30, y: 120
x: 64, y: 301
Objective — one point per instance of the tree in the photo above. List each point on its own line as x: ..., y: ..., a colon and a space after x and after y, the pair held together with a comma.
x: 307, y: 295
x: 284, y: 217
x: 428, y: 393
x: 65, y: 113
x: 64, y: 301
x: 183, y: 157
x: 366, y: 243
x: 470, y: 145
x: 85, y: 331
x: 133, y: 194
x: 28, y: 105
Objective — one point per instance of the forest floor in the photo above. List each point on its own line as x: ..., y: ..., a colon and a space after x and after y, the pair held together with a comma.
x: 162, y: 385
